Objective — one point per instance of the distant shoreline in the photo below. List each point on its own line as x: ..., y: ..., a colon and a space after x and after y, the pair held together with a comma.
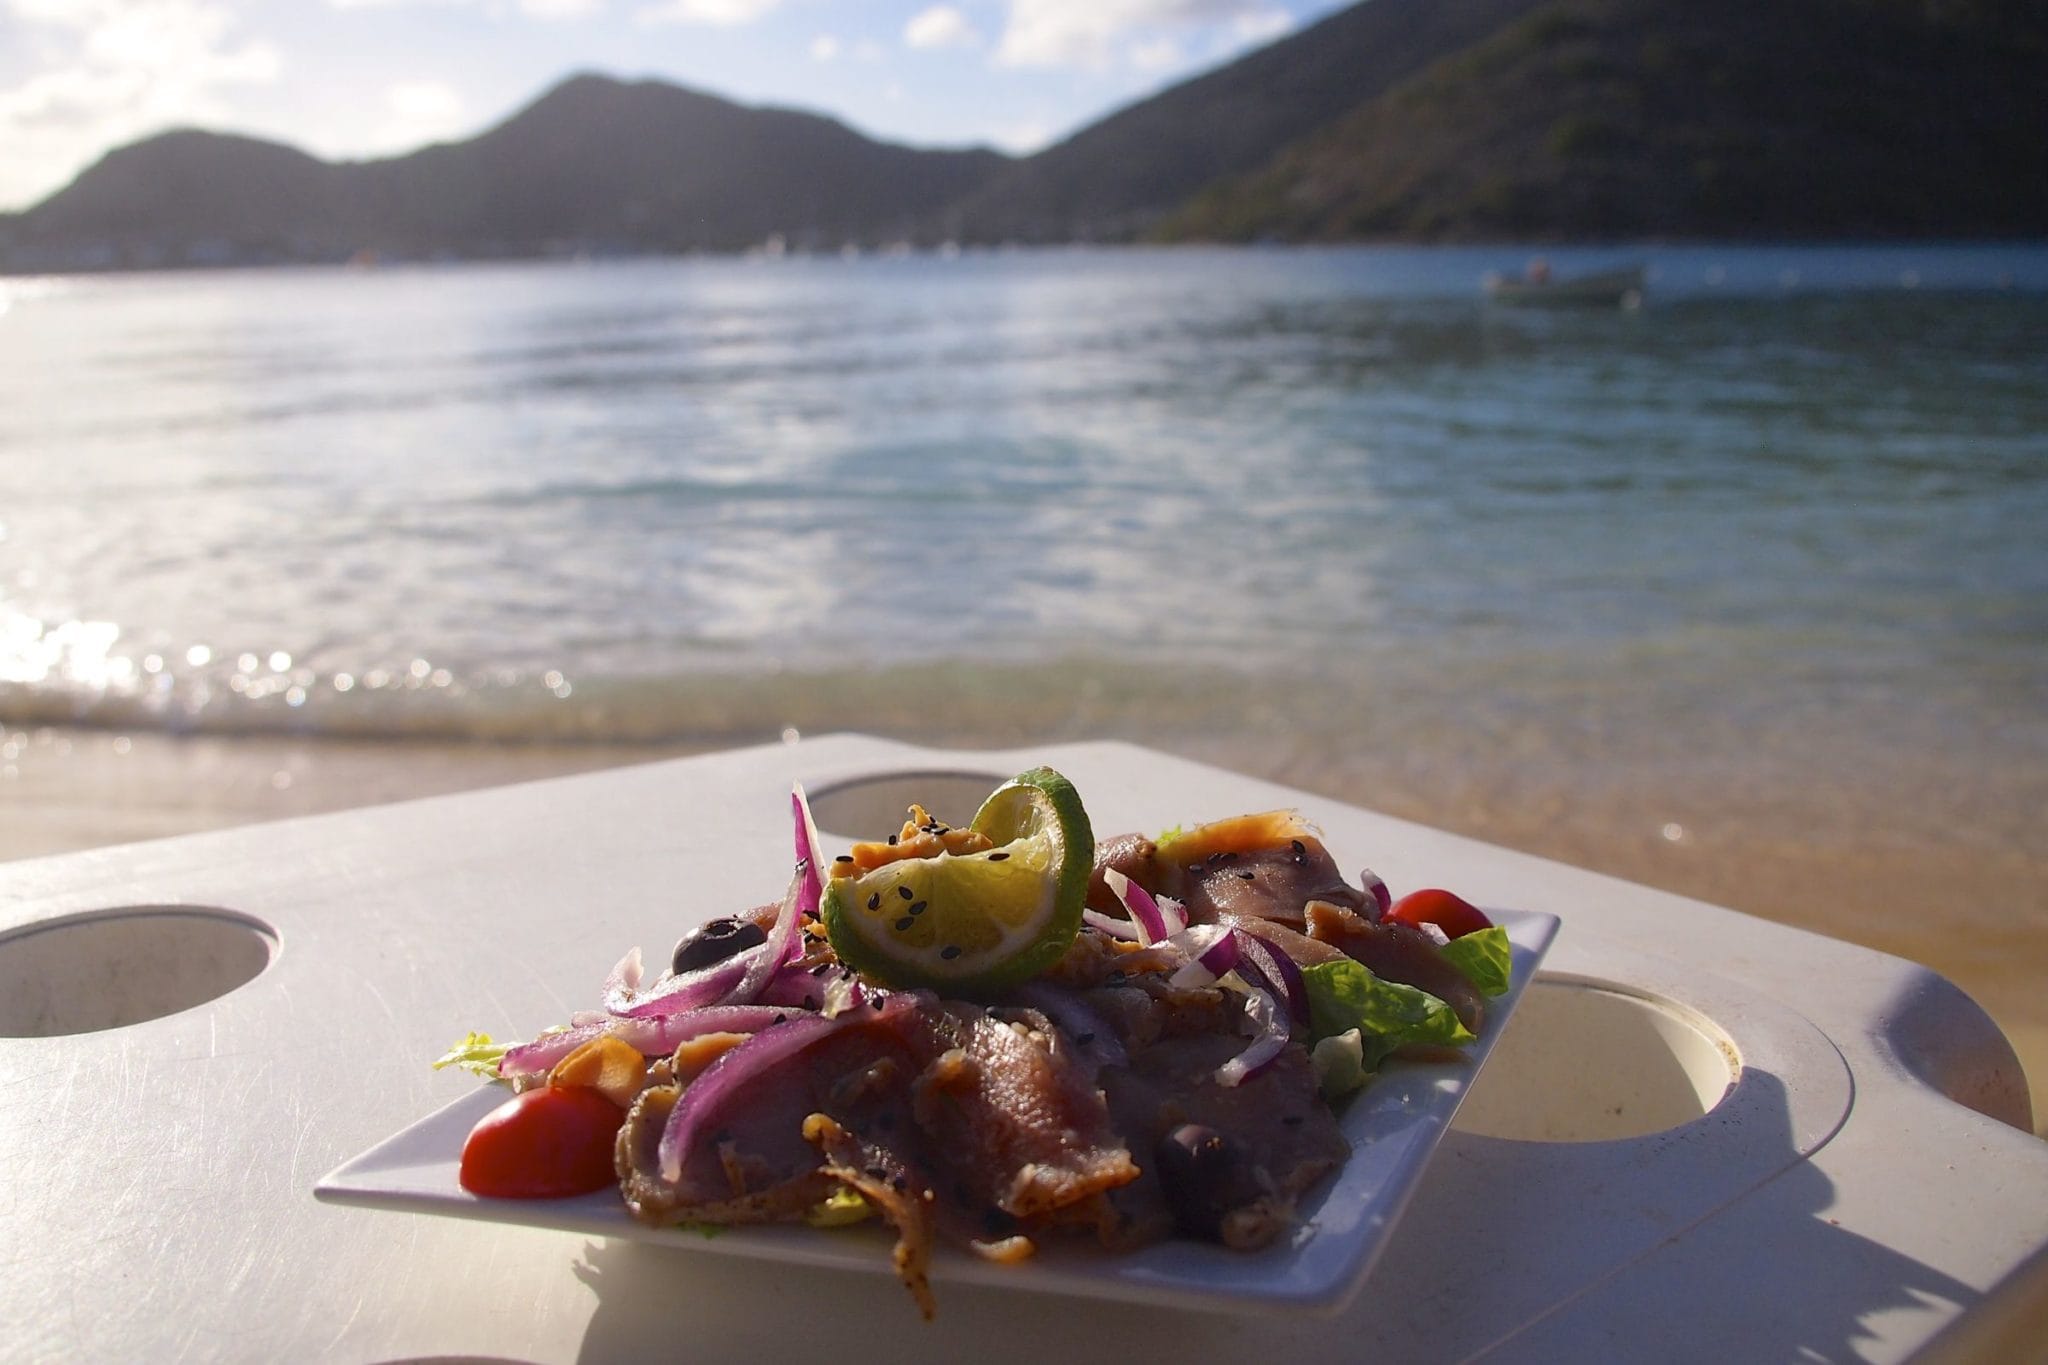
x: 949, y: 250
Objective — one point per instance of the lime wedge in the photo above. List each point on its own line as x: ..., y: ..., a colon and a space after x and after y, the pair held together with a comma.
x: 973, y: 923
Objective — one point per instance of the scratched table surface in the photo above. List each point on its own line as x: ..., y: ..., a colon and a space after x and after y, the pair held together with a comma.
x: 1866, y: 1185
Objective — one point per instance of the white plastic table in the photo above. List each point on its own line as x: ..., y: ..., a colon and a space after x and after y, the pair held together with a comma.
x: 1866, y: 1182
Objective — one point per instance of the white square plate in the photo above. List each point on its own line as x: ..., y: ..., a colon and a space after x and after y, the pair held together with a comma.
x: 1393, y: 1126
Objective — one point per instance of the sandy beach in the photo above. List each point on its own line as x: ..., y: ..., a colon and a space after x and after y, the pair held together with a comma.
x: 63, y: 790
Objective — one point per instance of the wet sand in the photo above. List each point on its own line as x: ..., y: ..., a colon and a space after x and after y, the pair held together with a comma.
x: 1974, y: 910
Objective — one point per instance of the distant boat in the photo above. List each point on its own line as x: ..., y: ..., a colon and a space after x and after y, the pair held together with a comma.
x: 1622, y: 288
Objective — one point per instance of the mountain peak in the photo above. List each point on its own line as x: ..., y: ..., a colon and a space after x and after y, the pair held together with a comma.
x: 1412, y: 119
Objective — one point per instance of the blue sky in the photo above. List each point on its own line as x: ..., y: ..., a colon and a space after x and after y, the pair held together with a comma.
x: 359, y: 78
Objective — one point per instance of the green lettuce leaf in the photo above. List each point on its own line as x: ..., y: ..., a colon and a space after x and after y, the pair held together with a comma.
x: 1345, y: 995
x: 1339, y: 1064
x: 841, y: 1208
x: 475, y: 1053
x: 1484, y: 957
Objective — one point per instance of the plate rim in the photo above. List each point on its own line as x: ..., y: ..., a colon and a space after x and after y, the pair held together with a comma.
x: 1317, y: 1270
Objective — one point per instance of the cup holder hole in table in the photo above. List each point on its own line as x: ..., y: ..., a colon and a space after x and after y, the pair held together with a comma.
x: 112, y: 968
x: 871, y: 807
x: 1593, y: 1061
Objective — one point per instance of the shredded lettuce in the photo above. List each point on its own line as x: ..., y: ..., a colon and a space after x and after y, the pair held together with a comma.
x: 1484, y: 957
x: 1345, y: 995
x: 1339, y: 1064
x: 839, y: 996
x: 475, y: 1053
x: 841, y: 1208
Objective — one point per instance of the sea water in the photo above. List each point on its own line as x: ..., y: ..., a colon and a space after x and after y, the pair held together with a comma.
x: 1325, y: 512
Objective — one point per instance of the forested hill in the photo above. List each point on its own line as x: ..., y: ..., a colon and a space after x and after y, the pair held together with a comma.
x: 1431, y: 120
x: 1675, y: 119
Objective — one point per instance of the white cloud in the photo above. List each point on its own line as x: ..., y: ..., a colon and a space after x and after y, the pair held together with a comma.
x: 114, y: 71
x: 824, y: 48
x: 1158, y: 54
x: 1262, y: 26
x: 1092, y: 33
x: 419, y: 112
x: 1022, y: 138
x: 940, y: 26
x: 561, y: 9
x: 539, y: 9
x: 423, y: 100
x: 716, y: 13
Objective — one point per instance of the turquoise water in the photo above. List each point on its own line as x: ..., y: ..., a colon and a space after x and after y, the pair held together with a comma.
x: 1795, y: 500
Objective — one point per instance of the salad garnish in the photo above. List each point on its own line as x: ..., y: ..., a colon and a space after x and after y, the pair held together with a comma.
x: 997, y: 1034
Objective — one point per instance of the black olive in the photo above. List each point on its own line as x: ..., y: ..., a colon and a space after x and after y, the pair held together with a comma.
x: 1206, y: 1174
x: 715, y: 942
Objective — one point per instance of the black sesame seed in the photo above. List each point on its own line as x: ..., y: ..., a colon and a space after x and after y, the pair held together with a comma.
x: 1246, y: 875
x: 844, y: 858
x: 875, y: 901
x: 904, y: 923
x: 906, y: 893
x: 1300, y: 850
x: 781, y: 1018
x: 917, y: 907
x: 876, y: 1001
x: 892, y: 841
x: 949, y: 952
x: 821, y: 969
x: 997, y: 857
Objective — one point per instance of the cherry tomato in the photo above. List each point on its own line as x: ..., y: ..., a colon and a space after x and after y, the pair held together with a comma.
x: 1454, y: 915
x: 548, y: 1143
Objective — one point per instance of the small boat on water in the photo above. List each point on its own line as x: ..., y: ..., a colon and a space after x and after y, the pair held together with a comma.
x: 1619, y: 288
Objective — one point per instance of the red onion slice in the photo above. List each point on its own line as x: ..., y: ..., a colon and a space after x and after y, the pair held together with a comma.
x: 735, y: 1069
x: 1139, y: 905
x: 1271, y: 1037
x: 1282, y: 974
x: 711, y: 985
x: 658, y: 1037
x: 1120, y: 929
x: 653, y: 1036
x: 624, y: 981
x: 797, y: 987
x: 810, y: 854
x: 540, y: 1055
x: 784, y: 942
x: 1088, y: 1030
x: 1377, y: 889
x: 1174, y: 913
x: 1211, y: 950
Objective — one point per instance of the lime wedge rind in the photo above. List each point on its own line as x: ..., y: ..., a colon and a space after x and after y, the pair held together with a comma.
x: 974, y: 923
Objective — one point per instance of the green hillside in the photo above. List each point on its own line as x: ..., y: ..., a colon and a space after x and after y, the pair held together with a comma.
x: 1429, y: 120
x: 1671, y: 118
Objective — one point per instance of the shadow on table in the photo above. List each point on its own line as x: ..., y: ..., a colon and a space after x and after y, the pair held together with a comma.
x: 1767, y: 1278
